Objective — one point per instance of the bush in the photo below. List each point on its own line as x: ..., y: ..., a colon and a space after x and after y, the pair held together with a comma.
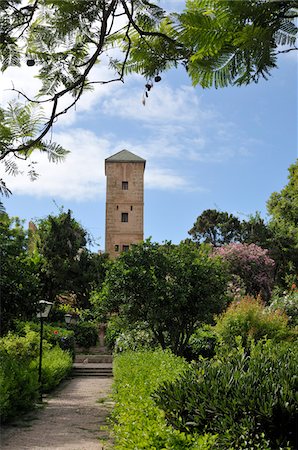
x: 139, y: 338
x: 19, y: 360
x: 86, y: 334
x: 56, y: 365
x: 52, y: 334
x: 138, y: 423
x: 238, y: 397
x: 251, y: 320
x: 202, y: 343
x: 252, y: 264
x: 18, y: 376
x: 288, y: 303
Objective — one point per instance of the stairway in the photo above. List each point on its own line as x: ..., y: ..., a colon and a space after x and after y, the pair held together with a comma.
x: 93, y: 362
x: 102, y: 370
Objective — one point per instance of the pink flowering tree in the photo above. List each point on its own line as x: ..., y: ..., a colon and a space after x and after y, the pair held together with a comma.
x: 252, y: 264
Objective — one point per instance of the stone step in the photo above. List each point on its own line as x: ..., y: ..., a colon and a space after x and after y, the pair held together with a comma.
x: 98, y: 358
x: 92, y: 350
x: 92, y: 370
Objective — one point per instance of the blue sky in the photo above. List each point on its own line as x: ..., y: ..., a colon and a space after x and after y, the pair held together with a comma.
x: 227, y: 149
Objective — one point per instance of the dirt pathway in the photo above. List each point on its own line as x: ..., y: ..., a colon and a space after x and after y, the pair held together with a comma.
x: 71, y: 419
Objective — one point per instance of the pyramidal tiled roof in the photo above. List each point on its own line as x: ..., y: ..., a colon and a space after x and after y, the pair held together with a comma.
x: 125, y: 156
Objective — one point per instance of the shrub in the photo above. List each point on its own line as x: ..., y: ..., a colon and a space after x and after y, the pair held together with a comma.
x: 252, y: 264
x: 18, y: 377
x: 56, y: 365
x: 251, y: 320
x: 202, y: 343
x: 19, y: 360
x: 86, y: 334
x: 138, y: 338
x: 288, y: 303
x: 239, y: 397
x: 53, y: 334
x: 138, y: 423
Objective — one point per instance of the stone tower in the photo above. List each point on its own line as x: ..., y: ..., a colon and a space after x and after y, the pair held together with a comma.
x: 124, y: 201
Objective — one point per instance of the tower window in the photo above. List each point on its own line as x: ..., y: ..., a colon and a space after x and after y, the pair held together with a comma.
x: 116, y: 248
x: 124, y: 217
x: 125, y: 248
x: 125, y: 185
x: 131, y: 208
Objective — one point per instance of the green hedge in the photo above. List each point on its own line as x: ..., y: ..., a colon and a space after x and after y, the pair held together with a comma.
x: 19, y: 360
x: 86, y: 334
x: 137, y: 422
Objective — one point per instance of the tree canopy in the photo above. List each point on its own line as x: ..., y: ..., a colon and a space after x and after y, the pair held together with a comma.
x: 220, y: 43
x: 173, y: 288
x: 67, y: 266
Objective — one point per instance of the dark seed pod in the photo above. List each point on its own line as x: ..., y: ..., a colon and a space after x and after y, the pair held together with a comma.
x: 157, y: 78
x: 30, y: 62
x: 146, y: 93
x: 148, y: 86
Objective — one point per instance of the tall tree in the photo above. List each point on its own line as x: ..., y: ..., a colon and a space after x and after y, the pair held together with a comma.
x: 67, y: 265
x: 216, y: 227
x: 20, y: 286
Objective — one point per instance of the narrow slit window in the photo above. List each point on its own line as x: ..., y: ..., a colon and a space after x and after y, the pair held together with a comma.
x: 131, y: 208
x: 125, y: 185
x: 116, y: 248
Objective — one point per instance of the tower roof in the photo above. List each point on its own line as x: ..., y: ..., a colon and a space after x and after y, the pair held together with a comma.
x: 125, y: 156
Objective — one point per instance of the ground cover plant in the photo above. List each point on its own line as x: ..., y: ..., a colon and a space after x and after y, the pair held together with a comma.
x: 19, y: 359
x: 241, y: 397
x: 137, y: 422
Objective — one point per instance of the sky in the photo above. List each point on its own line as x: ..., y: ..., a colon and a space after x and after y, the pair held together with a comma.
x: 225, y: 149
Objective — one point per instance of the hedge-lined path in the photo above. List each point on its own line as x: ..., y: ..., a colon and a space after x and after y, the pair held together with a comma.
x: 70, y: 420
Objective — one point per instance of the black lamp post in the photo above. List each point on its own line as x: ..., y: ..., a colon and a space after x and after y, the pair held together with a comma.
x: 43, y: 313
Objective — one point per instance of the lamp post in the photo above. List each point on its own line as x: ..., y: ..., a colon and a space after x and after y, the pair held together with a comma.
x: 67, y: 318
x: 43, y: 313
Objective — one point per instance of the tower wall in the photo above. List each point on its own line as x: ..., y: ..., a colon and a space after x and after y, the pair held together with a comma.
x: 124, y: 200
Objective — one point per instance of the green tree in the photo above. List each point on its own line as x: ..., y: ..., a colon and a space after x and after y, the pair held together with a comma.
x: 219, y: 42
x: 216, y: 227
x: 67, y: 265
x: 20, y: 288
x: 283, y: 208
x: 173, y: 288
x: 222, y: 42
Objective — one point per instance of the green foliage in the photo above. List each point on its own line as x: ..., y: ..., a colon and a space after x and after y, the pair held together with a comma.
x: 216, y: 227
x: 86, y: 334
x: 19, y: 275
x: 19, y: 359
x: 138, y: 423
x: 238, y: 396
x: 67, y: 265
x: 287, y: 303
x: 56, y: 365
x: 137, y: 338
x: 173, y: 288
x: 251, y: 320
x: 283, y: 208
x: 54, y: 335
x: 202, y: 343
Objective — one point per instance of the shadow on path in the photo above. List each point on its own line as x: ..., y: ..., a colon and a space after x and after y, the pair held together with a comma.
x: 71, y: 419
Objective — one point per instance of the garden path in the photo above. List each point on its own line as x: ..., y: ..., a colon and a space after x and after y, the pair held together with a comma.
x: 70, y: 420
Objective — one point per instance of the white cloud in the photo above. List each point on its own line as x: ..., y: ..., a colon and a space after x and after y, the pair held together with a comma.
x: 81, y: 176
